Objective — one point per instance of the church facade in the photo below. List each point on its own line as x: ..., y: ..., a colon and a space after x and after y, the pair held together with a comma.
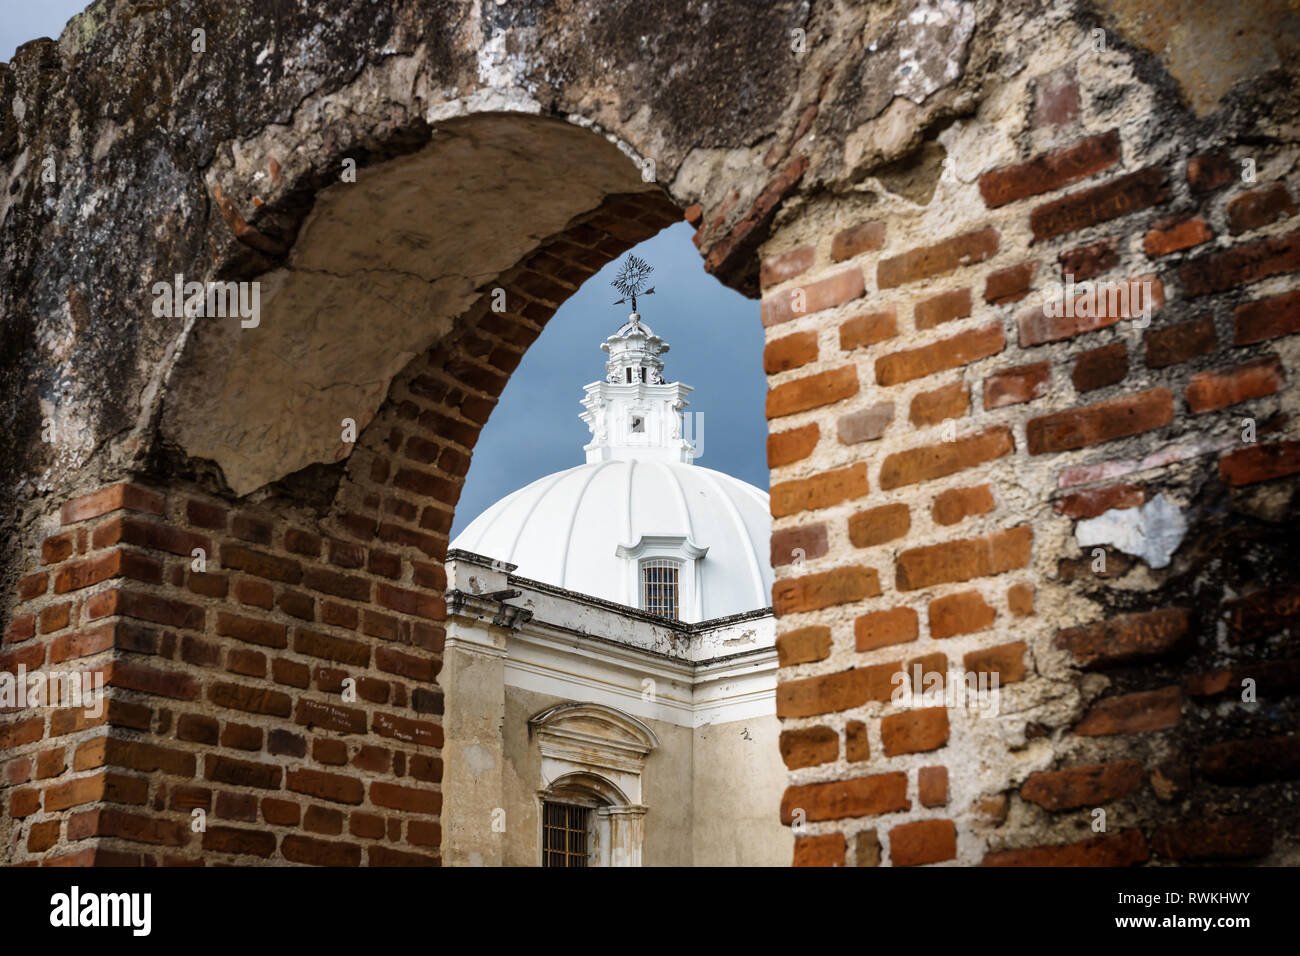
x: 610, y: 667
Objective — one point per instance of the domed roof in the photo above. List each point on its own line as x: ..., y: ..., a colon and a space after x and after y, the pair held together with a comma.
x: 587, y: 529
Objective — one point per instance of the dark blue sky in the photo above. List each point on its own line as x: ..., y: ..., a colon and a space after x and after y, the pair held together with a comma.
x: 715, y: 335
x: 716, y: 346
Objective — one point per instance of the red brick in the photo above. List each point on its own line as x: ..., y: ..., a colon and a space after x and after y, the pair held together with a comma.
x: 1007, y: 661
x: 814, y: 391
x: 949, y: 401
x: 855, y: 240
x: 111, y: 564
x: 816, y: 591
x: 149, y: 534
x: 1175, y: 235
x: 803, y: 645
x: 1211, y: 170
x: 205, y: 515
x: 55, y: 618
x: 1084, y: 786
x: 944, y: 307
x: 829, y: 693
x: 238, y: 841
x: 945, y: 458
x: 1258, y: 463
x: 1113, y: 849
x: 857, y: 747
x: 885, y: 628
x: 123, y: 495
x: 932, y: 786
x: 868, y: 329
x: 793, y: 545
x: 809, y: 747
x: 252, y: 630
x: 32, y: 585
x: 411, y: 799
x: 1209, y: 391
x: 943, y: 257
x: 1102, y: 422
x: 1266, y: 319
x: 301, y: 849
x: 1095, y: 501
x: 914, y: 731
x: 1259, y: 207
x: 826, y: 850
x: 958, y: 504
x: 785, y: 265
x: 793, y: 445
x: 1122, y: 300
x: 1050, y: 171
x: 1014, y: 386
x: 1100, y: 367
x: 331, y: 648
x: 841, y: 799
x: 820, y: 491
x: 879, y: 525
x: 1132, y: 713
x: 1179, y: 342
x: 1085, y: 262
x: 792, y: 351
x: 962, y: 613
x: 336, y: 788
x: 963, y: 560
x: 253, y: 700
x: 1011, y: 284
x: 953, y: 352
x: 236, y: 557
x: 1241, y: 265
x: 922, y: 842
x: 825, y: 293
x: 58, y: 548
x: 1111, y: 200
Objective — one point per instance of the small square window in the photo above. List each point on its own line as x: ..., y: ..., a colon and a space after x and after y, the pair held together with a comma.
x: 659, y: 590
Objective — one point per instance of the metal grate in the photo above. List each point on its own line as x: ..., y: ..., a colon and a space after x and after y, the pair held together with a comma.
x: 659, y: 589
x: 564, y: 834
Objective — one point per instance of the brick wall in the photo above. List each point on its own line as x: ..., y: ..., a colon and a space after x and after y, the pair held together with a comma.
x: 936, y: 440
x: 225, y: 685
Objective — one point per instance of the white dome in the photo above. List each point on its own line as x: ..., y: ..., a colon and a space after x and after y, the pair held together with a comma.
x: 588, y: 528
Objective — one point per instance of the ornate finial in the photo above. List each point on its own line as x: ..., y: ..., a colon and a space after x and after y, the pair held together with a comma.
x: 631, y: 280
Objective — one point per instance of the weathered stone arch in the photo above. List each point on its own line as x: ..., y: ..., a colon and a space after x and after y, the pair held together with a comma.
x: 909, y: 172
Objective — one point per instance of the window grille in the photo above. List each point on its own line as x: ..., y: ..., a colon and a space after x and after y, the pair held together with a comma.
x: 564, y: 834
x: 659, y: 588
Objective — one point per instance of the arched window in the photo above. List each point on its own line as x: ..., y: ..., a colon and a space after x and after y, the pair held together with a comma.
x: 589, y: 807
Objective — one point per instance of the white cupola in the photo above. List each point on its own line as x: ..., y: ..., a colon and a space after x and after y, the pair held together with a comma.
x: 633, y: 414
x: 640, y: 523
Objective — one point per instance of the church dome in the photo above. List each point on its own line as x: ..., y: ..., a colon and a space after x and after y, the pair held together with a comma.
x: 639, y: 524
x: 590, y: 528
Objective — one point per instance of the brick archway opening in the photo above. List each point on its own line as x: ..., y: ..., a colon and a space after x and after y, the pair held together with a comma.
x: 264, y: 601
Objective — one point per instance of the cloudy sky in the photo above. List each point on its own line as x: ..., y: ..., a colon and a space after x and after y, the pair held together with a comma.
x: 715, y: 337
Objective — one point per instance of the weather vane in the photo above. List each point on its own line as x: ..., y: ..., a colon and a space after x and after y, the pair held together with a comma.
x: 631, y: 280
